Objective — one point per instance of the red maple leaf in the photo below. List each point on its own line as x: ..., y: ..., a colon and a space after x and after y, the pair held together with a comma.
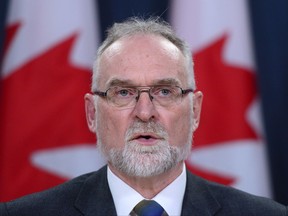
x: 42, y: 107
x: 10, y: 33
x: 211, y: 176
x: 228, y: 92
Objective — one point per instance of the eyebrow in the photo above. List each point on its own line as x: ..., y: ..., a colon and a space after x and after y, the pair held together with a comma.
x: 119, y: 82
x: 128, y: 82
x: 167, y: 81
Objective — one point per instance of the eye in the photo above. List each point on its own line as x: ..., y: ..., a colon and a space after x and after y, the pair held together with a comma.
x: 163, y: 91
x: 124, y: 92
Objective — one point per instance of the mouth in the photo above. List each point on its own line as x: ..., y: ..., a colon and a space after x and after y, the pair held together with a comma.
x: 146, y: 138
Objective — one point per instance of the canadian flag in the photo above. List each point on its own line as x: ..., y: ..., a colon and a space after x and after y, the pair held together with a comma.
x: 49, y: 50
x: 228, y: 146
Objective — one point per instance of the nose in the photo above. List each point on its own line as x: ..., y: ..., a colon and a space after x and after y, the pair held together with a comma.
x: 144, y: 108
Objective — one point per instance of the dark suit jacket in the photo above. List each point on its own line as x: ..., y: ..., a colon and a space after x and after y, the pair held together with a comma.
x: 90, y: 195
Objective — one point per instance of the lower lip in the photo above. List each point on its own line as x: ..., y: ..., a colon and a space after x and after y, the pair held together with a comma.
x: 144, y: 141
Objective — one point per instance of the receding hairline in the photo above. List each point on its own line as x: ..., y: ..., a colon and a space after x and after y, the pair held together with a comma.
x: 139, y: 26
x: 136, y: 25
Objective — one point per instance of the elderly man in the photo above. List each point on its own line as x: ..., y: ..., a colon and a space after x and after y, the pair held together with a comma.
x: 144, y: 109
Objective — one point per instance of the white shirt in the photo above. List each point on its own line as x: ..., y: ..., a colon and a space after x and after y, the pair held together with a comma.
x: 125, y: 198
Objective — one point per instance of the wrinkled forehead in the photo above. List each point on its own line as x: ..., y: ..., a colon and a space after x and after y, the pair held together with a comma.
x: 142, y: 58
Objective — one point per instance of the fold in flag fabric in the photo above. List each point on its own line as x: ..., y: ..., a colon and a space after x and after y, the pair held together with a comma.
x: 49, y: 50
x: 228, y: 146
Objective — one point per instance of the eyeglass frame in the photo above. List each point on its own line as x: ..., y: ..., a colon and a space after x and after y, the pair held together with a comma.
x: 141, y: 89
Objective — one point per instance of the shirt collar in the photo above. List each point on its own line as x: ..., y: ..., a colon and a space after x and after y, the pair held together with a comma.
x: 125, y: 198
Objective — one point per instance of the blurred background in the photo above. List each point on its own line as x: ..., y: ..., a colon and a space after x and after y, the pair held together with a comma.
x: 241, y: 65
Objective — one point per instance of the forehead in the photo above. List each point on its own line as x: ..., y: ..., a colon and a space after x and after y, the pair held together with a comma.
x: 142, y: 59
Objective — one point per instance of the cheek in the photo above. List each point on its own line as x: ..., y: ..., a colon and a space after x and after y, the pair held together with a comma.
x: 180, y: 128
x: 111, y: 127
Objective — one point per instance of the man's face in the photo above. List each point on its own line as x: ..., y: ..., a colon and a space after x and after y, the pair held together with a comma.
x: 144, y: 140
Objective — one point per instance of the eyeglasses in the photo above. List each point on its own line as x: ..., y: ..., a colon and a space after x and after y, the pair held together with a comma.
x: 127, y: 96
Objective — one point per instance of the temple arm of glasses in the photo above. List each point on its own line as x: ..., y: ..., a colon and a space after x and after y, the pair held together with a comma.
x: 186, y: 91
x: 99, y: 93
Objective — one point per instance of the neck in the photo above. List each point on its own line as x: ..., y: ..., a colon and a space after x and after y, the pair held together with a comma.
x: 149, y: 187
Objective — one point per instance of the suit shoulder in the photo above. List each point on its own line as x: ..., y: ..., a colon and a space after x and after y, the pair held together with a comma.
x: 234, y: 200
x: 55, y: 201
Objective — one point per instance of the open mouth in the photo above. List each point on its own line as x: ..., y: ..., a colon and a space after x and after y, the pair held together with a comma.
x: 146, y: 138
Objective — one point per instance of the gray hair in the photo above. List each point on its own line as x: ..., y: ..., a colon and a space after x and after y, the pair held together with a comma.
x: 151, y: 26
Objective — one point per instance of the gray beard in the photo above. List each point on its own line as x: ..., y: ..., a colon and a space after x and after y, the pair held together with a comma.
x: 146, y: 161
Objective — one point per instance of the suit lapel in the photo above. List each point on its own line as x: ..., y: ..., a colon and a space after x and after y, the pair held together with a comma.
x: 198, y: 199
x: 95, y: 197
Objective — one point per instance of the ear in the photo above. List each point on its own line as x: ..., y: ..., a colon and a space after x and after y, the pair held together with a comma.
x: 90, y: 112
x: 197, y: 105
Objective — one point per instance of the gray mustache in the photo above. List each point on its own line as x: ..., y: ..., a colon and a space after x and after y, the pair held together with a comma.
x: 146, y: 127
